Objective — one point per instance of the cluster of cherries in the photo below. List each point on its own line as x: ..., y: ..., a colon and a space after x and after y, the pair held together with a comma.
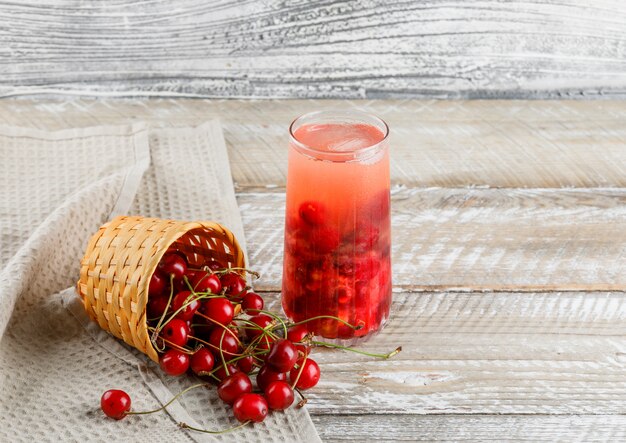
x: 206, y: 321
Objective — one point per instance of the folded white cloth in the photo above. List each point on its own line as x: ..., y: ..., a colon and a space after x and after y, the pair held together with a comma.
x: 56, y: 189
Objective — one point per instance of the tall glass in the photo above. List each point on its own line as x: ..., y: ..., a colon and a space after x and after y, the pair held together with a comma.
x: 337, y: 227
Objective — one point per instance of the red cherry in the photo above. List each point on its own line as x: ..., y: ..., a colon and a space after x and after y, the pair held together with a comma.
x: 366, y: 237
x: 203, y: 327
x: 115, y: 403
x: 205, y: 282
x: 283, y: 355
x: 312, y: 212
x: 267, y: 375
x: 179, y: 286
x: 260, y: 320
x: 279, y: 395
x: 233, y: 284
x: 182, y: 285
x: 251, y: 303
x: 192, y: 332
x: 191, y: 274
x: 224, y: 340
x: 324, y: 240
x: 218, y: 310
x: 246, y: 364
x: 265, y: 344
x: 297, y: 335
x: 310, y: 374
x: 175, y: 332
x: 157, y: 305
x: 202, y: 362
x: 157, y: 284
x: 215, y: 265
x: 185, y: 298
x: 233, y: 387
x: 220, y: 373
x: 344, y: 263
x: 346, y: 332
x: 366, y: 267
x: 173, y: 264
x: 250, y: 407
x: 174, y: 362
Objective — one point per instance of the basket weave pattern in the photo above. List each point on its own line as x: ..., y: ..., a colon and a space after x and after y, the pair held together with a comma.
x: 121, y: 258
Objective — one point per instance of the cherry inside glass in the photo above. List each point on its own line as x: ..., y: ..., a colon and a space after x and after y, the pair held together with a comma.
x: 337, y: 226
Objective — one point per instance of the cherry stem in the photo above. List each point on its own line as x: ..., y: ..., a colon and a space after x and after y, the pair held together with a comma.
x: 304, y: 400
x: 171, y: 401
x: 206, y: 343
x: 229, y: 362
x: 186, y: 280
x: 239, y: 357
x: 266, y: 330
x: 223, y: 327
x: 274, y: 316
x: 188, y: 301
x: 345, y: 348
x: 319, y: 317
x: 228, y: 270
x: 174, y: 345
x: 254, y: 344
x: 223, y: 431
x: 207, y: 269
x: 222, y: 354
x: 295, y: 382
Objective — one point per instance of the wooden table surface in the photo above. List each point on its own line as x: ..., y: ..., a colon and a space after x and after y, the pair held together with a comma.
x: 315, y: 49
x: 509, y: 256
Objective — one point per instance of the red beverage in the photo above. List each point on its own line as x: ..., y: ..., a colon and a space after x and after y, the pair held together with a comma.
x: 337, y: 228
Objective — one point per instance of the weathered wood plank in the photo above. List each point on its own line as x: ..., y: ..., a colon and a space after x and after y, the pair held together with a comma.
x: 498, y: 428
x: 348, y: 49
x: 468, y: 353
x: 500, y: 353
x: 531, y: 144
x: 479, y: 239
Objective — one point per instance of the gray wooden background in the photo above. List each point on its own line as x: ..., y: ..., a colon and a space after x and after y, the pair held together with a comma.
x: 294, y: 48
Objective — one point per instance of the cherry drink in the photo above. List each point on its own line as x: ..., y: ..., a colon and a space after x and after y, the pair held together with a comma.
x: 337, y: 227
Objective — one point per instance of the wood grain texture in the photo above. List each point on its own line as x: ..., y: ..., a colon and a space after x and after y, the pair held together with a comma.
x: 534, y: 144
x: 460, y: 428
x: 479, y: 239
x: 343, y: 49
x: 534, y: 350
x: 497, y: 353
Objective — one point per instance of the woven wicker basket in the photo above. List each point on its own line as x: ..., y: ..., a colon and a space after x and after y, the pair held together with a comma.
x: 123, y: 254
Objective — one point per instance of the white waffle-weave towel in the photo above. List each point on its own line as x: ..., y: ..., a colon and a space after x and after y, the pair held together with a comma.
x: 56, y: 189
